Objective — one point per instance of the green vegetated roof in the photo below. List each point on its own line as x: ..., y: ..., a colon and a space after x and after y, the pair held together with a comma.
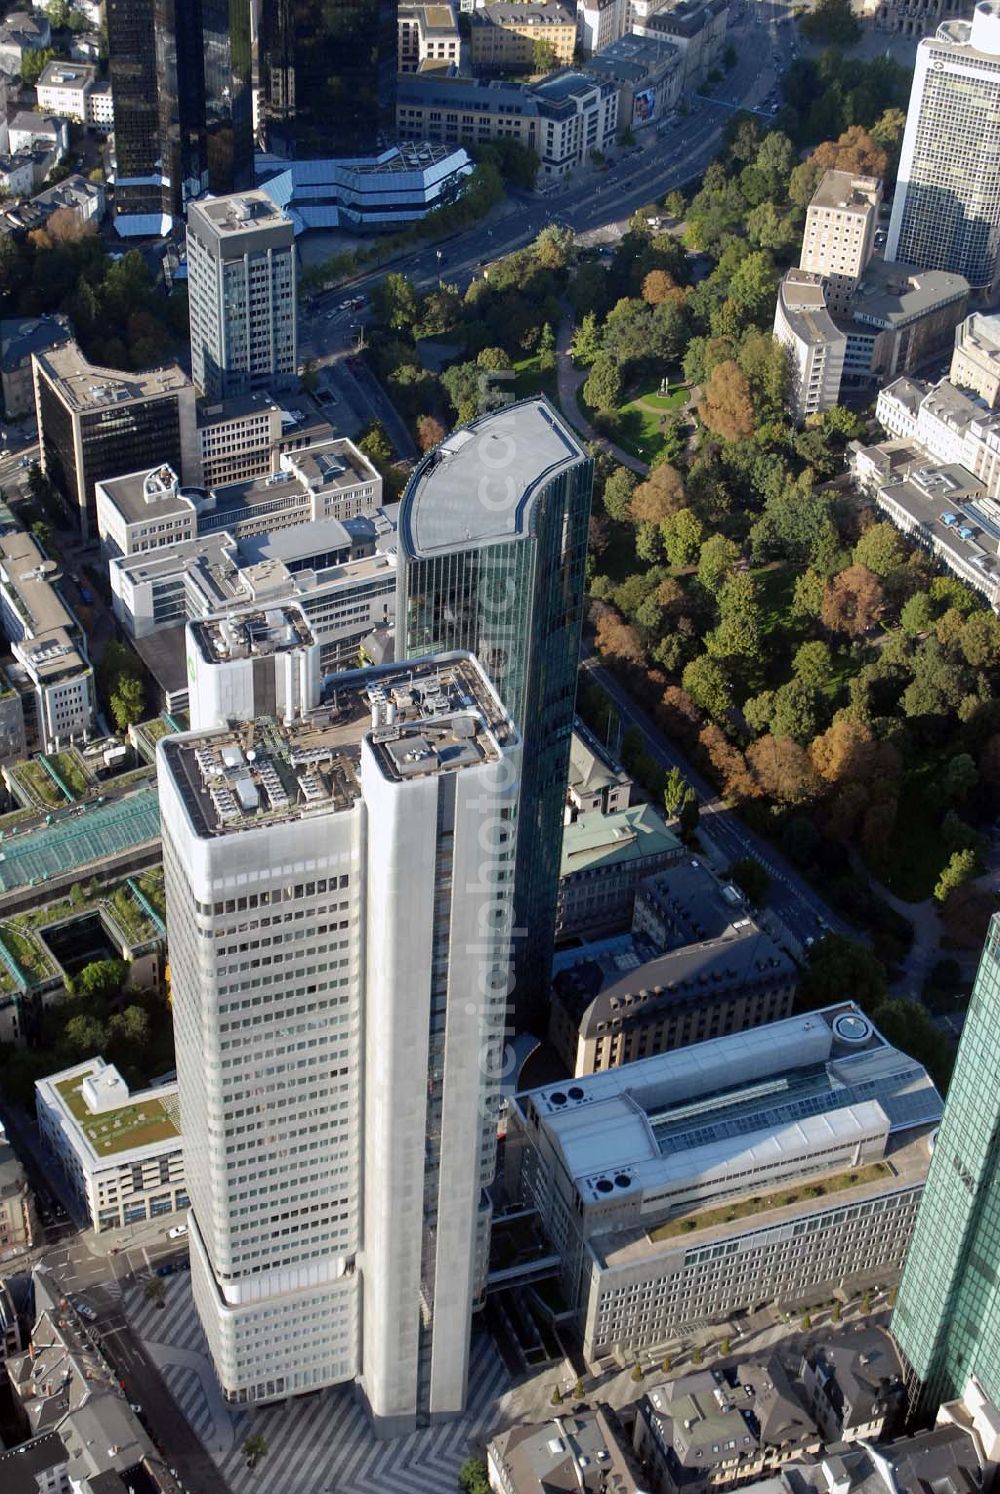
x: 745, y: 1208
x: 134, y: 1125
x: 76, y: 840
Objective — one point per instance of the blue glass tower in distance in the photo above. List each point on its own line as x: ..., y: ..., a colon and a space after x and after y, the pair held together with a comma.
x: 492, y: 551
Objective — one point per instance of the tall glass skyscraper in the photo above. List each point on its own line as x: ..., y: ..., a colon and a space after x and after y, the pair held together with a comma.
x: 493, y: 543
x: 327, y: 73
x: 180, y: 75
x: 946, y: 210
x: 947, y: 1317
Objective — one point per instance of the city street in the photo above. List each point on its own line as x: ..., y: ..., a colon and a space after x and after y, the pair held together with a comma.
x: 790, y: 899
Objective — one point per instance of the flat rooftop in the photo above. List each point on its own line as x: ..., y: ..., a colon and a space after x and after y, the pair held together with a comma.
x: 892, y: 294
x: 844, y: 191
x: 785, y: 1087
x: 803, y: 305
x: 86, y: 386
x: 144, y: 1119
x: 240, y: 212
x: 331, y: 464
x: 426, y: 716
x: 29, y: 576
x: 904, y: 1166
x: 153, y: 493
x: 256, y: 633
x: 482, y: 483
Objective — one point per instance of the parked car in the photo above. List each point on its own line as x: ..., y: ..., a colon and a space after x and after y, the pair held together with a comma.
x: 177, y: 1231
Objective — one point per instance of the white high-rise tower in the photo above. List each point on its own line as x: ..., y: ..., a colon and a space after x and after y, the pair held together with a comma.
x: 338, y: 905
x: 946, y: 211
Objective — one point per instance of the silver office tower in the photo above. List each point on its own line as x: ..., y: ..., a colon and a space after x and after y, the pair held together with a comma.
x: 241, y: 294
x: 946, y: 211
x: 492, y: 552
x: 339, y: 910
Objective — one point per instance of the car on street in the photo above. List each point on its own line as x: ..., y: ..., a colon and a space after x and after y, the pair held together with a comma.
x: 84, y: 1309
x: 169, y: 1268
x: 177, y: 1231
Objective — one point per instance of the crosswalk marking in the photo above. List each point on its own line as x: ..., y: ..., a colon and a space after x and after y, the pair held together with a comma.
x: 323, y: 1443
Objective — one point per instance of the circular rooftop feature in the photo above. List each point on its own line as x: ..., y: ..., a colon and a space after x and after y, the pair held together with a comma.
x: 851, y: 1028
x: 557, y: 1097
x: 604, y: 1185
x: 576, y: 1093
x: 622, y: 1180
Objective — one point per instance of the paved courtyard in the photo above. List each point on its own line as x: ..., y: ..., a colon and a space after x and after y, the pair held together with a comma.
x: 321, y: 1444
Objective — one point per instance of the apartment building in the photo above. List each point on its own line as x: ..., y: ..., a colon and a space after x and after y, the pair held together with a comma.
x: 722, y: 1428
x: 975, y: 362
x: 839, y: 233
x: 19, y: 338
x: 649, y: 74
x: 600, y: 23
x: 95, y: 423
x: 504, y: 32
x: 852, y: 1383
x: 816, y: 345
x: 697, y: 28
x: 241, y: 288
x: 51, y: 670
x: 119, y: 1152
x: 765, y: 1166
x: 339, y: 1229
x: 597, y: 783
x: 696, y: 965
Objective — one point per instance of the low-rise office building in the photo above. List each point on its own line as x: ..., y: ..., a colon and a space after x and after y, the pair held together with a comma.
x: 852, y: 1384
x: 243, y: 438
x: 22, y: 31
x: 941, y: 506
x: 100, y: 108
x: 719, y: 1428
x: 95, y: 423
x: 604, y: 858
x: 697, y: 966
x: 649, y: 74
x: 51, y: 670
x: 583, y: 1452
x: 31, y: 130
x: 151, y: 510
x: 119, y: 1152
x: 562, y: 119
x: 696, y: 27
x: 63, y: 88
x: 504, y: 32
x: 375, y: 194
x: 427, y: 34
x: 767, y: 1166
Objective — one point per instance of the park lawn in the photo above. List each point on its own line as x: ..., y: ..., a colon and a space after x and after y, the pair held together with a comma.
x: 914, y: 853
x: 530, y: 379
x: 639, y: 429
x: 775, y: 588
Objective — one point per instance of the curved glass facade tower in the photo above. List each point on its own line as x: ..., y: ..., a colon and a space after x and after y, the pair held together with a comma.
x: 493, y: 542
x: 947, y: 1317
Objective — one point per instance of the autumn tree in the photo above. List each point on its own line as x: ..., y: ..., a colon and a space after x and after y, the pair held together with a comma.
x: 961, y: 868
x: 430, y: 432
x: 855, y: 151
x: 782, y: 770
x: 617, y: 639
x: 657, y: 287
x: 852, y: 602
x: 661, y: 495
x: 729, y: 766
x: 725, y: 405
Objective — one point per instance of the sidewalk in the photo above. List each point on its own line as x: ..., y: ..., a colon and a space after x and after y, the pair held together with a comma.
x: 569, y: 379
